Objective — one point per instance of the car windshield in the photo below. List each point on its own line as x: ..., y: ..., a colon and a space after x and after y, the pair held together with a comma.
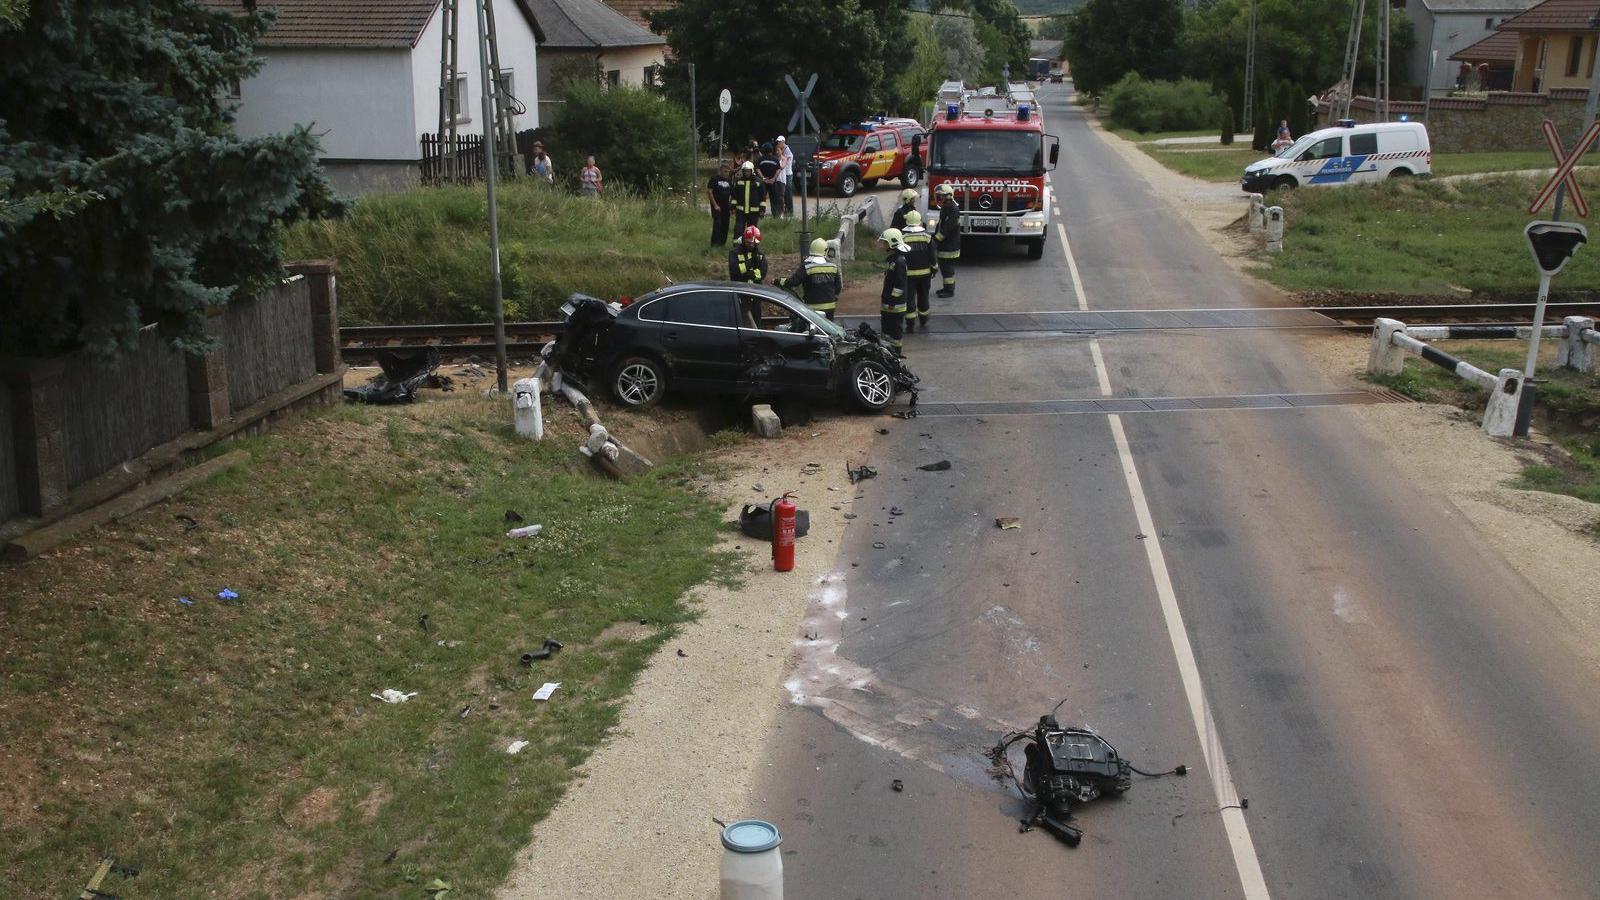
x: 841, y: 140
x: 825, y: 326
x: 1295, y: 149
x: 986, y: 152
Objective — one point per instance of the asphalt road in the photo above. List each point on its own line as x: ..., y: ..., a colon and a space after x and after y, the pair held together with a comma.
x: 1251, y: 592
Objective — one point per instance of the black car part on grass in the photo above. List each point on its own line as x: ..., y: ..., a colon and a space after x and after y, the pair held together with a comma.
x: 1065, y: 766
x: 756, y: 521
x: 404, y: 372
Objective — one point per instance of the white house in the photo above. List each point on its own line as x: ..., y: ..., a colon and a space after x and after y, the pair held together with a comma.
x: 365, y: 75
x: 1450, y: 26
x: 592, y: 34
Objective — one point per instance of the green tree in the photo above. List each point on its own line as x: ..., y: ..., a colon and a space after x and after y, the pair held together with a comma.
x: 638, y: 138
x: 1002, y: 32
x: 1107, y: 39
x: 747, y: 46
x: 946, y: 48
x: 131, y: 200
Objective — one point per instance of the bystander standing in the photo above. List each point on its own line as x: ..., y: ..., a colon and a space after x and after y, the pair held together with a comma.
x: 590, y: 178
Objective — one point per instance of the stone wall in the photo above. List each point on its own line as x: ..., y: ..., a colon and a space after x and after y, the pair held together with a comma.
x: 1501, y: 120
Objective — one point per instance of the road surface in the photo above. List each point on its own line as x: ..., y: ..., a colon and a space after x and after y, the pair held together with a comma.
x: 1250, y: 591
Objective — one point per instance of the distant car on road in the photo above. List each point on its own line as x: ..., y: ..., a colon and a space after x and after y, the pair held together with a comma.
x: 1345, y: 154
x: 726, y: 338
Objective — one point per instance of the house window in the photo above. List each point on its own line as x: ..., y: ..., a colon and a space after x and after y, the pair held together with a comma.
x: 235, y: 90
x: 463, y: 110
x: 1488, y: 23
x: 614, y: 77
x: 1594, y: 50
x: 1574, y: 54
x: 652, y: 75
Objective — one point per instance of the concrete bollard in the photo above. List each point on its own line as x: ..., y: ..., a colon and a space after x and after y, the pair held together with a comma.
x: 1500, y: 416
x: 765, y: 422
x: 1258, y: 221
x: 1575, y: 352
x: 1385, y: 358
x: 1274, y: 229
x: 526, y: 410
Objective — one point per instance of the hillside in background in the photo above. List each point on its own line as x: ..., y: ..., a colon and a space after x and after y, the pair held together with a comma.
x: 1047, y: 7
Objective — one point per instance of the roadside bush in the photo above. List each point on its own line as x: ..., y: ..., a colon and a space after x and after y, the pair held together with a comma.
x: 422, y: 256
x: 638, y: 139
x: 1144, y: 105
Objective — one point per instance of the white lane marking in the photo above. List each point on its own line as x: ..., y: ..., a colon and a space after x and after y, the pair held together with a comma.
x: 1072, y: 267
x: 1233, y: 821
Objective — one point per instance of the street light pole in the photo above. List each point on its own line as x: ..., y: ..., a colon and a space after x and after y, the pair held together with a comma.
x: 494, y: 212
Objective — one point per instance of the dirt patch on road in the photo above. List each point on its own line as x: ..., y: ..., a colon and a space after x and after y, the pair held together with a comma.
x: 638, y: 823
x: 1550, y: 539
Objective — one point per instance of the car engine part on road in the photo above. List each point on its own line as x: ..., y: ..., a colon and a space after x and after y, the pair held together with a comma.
x: 404, y: 372
x: 1064, y: 765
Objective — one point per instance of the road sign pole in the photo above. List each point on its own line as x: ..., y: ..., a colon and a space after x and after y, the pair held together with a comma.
x: 694, y: 135
x: 805, y: 219
x: 1538, y: 325
x: 722, y: 133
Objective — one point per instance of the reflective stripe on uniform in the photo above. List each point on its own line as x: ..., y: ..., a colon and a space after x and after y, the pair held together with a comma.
x: 897, y: 308
x: 949, y: 254
x: 823, y: 307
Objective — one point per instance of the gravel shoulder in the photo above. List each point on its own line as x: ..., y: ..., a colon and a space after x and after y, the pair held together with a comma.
x: 638, y: 822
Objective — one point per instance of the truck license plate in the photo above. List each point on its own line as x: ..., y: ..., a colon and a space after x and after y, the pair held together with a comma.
x: 990, y: 222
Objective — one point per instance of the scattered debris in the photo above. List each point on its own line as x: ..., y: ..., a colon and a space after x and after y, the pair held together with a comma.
x: 756, y: 521
x: 185, y: 601
x: 1140, y: 536
x: 942, y: 465
x: 189, y: 524
x: 1007, y: 523
x: 515, y: 747
x: 473, y: 369
x: 849, y: 515
x: 544, y: 692
x: 860, y: 473
x: 551, y: 645
x: 897, y: 785
x: 878, y: 545
x: 883, y: 431
x: 896, y: 511
x: 905, y: 414
x: 681, y: 654
x: 404, y: 372
x: 422, y: 622
x: 438, y: 888
x: 227, y: 595
x: 390, y: 695
x: 513, y: 517
x: 758, y: 487
x: 465, y: 711
x: 525, y: 531
x: 1064, y: 766
x: 108, y: 866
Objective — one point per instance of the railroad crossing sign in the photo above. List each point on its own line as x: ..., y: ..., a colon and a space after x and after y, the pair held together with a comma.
x: 1564, y: 166
x: 802, y: 109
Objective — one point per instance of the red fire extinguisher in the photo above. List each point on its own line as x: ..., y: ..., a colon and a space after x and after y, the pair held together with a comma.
x: 783, y: 516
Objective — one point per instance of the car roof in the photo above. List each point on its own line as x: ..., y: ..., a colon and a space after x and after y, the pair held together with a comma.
x: 740, y: 286
x: 1366, y: 127
x: 885, y: 125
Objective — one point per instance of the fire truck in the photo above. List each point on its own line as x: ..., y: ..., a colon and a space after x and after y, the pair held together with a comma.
x: 995, y: 155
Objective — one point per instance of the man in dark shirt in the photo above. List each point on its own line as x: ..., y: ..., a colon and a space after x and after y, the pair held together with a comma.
x: 719, y: 190
x: 769, y: 166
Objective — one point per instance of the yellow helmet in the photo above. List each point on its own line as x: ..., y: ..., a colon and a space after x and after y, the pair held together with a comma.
x: 892, y: 237
x: 913, y: 218
x: 908, y: 195
x: 945, y: 190
x: 819, y: 247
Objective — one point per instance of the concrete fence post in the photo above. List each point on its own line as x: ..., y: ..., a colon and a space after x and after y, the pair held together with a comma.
x: 38, y: 431
x: 1258, y: 222
x: 1274, y: 229
x: 526, y: 409
x: 1576, y: 352
x: 1500, y: 416
x: 320, y: 275
x: 207, y: 377
x: 1385, y: 357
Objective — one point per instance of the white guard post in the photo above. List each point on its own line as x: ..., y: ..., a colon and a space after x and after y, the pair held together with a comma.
x: 526, y: 409
x: 1274, y: 229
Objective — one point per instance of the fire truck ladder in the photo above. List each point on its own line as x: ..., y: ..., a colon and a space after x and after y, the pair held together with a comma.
x: 506, y: 107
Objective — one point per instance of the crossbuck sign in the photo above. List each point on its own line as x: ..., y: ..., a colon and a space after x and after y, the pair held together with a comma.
x: 1565, y: 163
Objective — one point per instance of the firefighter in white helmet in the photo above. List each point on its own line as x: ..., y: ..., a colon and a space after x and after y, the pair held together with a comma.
x: 818, y: 280
x: 919, y: 271
x: 908, y: 203
x: 893, y: 301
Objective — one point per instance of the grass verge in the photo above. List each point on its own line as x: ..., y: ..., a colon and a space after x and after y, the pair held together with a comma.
x: 1417, y: 236
x: 1568, y: 410
x: 1226, y: 165
x: 231, y: 749
x: 422, y: 256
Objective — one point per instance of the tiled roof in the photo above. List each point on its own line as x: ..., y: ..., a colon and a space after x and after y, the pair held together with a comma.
x: 1555, y: 15
x: 1500, y: 47
x: 1477, y: 6
x: 636, y: 9
x: 589, y: 24
x: 363, y: 24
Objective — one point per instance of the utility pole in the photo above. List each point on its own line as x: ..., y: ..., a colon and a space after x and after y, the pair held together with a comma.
x: 1382, y: 74
x: 694, y: 134
x: 1352, y: 58
x: 489, y: 89
x: 1248, y: 125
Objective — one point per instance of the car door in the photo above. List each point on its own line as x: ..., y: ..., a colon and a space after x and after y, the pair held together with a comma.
x: 1325, y: 162
x: 874, y: 162
x: 1363, y: 157
x: 698, y: 337
x: 779, y: 354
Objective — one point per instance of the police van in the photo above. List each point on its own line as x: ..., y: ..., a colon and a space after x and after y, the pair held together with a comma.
x: 1345, y: 154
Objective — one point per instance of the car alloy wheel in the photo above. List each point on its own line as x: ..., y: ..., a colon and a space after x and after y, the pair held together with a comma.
x: 638, y: 383
x: 872, y: 385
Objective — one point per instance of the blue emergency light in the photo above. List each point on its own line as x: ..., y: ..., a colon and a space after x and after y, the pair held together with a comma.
x: 1346, y: 123
x: 1022, y: 112
x: 953, y: 112
x: 1404, y: 117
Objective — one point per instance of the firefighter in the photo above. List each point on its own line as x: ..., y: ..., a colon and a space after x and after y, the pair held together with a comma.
x: 746, y: 262
x: 749, y: 197
x: 908, y: 203
x: 919, y: 271
x: 947, y: 239
x: 818, y: 279
x: 893, y: 309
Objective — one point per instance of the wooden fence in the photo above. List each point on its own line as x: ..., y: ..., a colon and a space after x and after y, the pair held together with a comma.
x: 459, y: 160
x: 73, y: 427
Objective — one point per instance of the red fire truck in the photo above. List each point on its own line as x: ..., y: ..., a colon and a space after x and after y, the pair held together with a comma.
x: 995, y: 156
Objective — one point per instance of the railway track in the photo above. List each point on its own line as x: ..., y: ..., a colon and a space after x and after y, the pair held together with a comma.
x: 361, y: 343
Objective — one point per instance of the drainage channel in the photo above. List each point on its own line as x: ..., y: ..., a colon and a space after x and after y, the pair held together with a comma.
x: 1106, y: 405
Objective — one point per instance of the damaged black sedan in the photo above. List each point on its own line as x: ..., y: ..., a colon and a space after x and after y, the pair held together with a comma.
x: 722, y: 337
